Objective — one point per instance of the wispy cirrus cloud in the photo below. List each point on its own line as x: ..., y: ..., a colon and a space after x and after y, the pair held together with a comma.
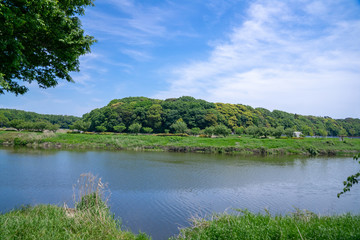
x: 296, y: 56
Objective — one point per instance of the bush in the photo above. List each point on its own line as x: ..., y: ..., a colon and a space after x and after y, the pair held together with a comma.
x: 222, y: 130
x: 253, y: 131
x: 135, y: 128
x: 209, y: 131
x: 147, y: 129
x: 20, y: 142
x: 119, y: 128
x: 100, y: 128
x: 239, y: 130
x: 195, y: 131
x: 179, y: 126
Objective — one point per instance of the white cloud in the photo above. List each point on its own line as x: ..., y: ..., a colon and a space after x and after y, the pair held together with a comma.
x: 275, y: 59
x: 137, y: 55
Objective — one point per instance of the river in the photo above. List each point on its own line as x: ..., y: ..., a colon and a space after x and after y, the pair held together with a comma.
x: 158, y: 192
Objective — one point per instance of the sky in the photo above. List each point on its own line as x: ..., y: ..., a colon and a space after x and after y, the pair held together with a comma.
x: 298, y: 56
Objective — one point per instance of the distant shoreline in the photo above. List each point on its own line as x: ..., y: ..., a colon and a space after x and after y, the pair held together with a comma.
x: 244, y: 145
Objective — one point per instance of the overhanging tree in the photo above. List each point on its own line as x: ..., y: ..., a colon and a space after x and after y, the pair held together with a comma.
x: 40, y: 40
x: 351, y: 180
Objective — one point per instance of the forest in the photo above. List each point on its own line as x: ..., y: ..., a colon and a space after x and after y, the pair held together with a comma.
x: 195, y: 116
x: 183, y: 115
x: 24, y: 120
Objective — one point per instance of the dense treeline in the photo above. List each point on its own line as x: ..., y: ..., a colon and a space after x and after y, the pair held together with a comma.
x: 33, y: 121
x: 190, y: 115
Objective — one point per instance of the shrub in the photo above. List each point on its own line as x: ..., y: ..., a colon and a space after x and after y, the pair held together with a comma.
x: 20, y: 142
x: 239, y: 130
x: 209, y: 131
x: 119, y: 128
x: 179, y: 126
x: 222, y: 130
x: 135, y: 128
x: 100, y: 128
x: 147, y: 129
x: 195, y: 131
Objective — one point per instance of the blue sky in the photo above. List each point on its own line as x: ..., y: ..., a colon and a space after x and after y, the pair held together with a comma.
x: 297, y: 56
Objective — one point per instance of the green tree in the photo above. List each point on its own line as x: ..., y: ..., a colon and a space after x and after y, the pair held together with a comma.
x: 40, y: 126
x: 135, y: 128
x: 147, y: 129
x: 195, y: 131
x: 278, y: 131
x: 253, y: 131
x: 351, y: 180
x: 239, y: 130
x: 179, y: 126
x: 289, y: 132
x: 101, y: 128
x: 52, y: 127
x: 119, y: 128
x: 4, y: 121
x: 40, y: 40
x: 209, y: 131
x: 222, y: 130
x: 80, y: 125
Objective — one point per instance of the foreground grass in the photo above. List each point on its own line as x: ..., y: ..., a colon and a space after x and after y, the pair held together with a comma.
x: 302, y: 225
x: 231, y: 144
x: 53, y: 222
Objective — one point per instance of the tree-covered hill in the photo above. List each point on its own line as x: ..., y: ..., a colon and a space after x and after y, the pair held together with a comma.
x: 187, y: 113
x: 15, y: 118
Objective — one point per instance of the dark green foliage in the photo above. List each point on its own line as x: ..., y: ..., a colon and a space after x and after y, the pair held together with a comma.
x: 19, y: 142
x: 300, y: 225
x: 351, y: 180
x: 40, y: 41
x: 14, y: 118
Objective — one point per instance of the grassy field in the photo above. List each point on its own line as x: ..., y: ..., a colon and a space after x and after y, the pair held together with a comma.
x: 231, y: 144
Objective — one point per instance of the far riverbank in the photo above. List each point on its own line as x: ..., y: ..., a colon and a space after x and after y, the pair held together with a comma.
x: 244, y: 145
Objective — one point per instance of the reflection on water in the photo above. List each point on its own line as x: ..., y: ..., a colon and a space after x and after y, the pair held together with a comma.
x: 158, y: 192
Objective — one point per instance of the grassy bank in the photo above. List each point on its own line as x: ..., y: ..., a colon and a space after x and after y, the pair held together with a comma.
x: 231, y: 144
x: 301, y: 225
x: 53, y: 222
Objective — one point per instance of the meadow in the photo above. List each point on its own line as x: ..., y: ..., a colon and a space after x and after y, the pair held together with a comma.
x: 232, y: 144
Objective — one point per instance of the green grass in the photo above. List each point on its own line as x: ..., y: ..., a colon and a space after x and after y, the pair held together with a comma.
x: 91, y: 218
x: 231, y: 144
x: 301, y: 225
x: 52, y: 222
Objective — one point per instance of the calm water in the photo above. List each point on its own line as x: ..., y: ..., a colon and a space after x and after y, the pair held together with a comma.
x: 158, y: 192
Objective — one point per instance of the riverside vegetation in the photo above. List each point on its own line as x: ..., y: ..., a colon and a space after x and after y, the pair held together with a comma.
x: 233, y: 144
x: 91, y: 219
